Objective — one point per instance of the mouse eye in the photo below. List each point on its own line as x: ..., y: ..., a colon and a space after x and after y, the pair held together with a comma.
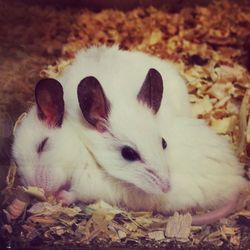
x: 163, y: 143
x: 129, y: 154
x: 42, y: 145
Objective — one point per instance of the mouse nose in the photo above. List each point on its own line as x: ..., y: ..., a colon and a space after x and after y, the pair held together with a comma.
x: 165, y: 186
x: 162, y: 183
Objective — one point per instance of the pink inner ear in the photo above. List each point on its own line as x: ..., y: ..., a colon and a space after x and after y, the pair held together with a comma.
x: 101, y: 127
x: 50, y: 103
x: 50, y: 116
x: 47, y: 108
x: 152, y: 90
x: 93, y: 103
x: 100, y: 124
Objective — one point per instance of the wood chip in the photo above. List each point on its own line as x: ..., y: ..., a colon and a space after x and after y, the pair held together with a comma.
x: 35, y: 192
x: 179, y: 226
x: 121, y: 234
x: 156, y: 235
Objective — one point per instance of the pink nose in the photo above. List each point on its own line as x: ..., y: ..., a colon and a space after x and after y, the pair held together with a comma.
x: 165, y: 187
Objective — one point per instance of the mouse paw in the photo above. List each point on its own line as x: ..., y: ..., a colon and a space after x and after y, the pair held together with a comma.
x: 66, y: 197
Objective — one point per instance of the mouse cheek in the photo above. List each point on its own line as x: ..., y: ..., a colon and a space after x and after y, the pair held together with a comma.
x: 50, y: 179
x: 44, y: 179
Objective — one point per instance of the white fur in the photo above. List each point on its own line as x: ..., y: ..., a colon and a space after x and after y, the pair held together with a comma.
x: 199, y: 165
x: 53, y: 167
x: 121, y: 74
x: 203, y: 172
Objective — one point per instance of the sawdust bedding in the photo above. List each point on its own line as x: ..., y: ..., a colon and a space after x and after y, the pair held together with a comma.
x: 211, y: 47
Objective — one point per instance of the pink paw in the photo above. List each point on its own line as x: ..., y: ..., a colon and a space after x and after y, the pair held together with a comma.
x: 66, y: 197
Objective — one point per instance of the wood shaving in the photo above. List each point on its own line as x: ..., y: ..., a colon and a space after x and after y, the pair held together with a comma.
x: 10, y: 179
x: 36, y: 192
x: 179, y: 226
x: 156, y: 235
x: 19, y: 121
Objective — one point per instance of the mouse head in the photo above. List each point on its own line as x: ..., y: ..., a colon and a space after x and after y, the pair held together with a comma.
x: 34, y: 147
x: 125, y: 138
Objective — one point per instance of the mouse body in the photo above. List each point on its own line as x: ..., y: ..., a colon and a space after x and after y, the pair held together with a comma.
x: 132, y: 112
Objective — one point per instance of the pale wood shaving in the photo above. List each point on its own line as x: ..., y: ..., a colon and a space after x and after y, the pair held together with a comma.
x: 179, y: 226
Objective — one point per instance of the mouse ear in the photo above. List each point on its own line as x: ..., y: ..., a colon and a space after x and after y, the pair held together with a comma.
x: 152, y: 90
x: 93, y: 102
x: 50, y: 103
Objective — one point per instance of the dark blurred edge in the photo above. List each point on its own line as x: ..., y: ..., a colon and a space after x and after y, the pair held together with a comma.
x: 171, y: 246
x: 98, y: 5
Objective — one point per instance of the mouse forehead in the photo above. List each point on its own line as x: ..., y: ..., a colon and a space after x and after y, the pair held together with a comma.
x: 30, y: 137
x: 136, y: 125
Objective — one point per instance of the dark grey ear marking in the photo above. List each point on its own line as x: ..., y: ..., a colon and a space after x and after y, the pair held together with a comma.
x: 152, y: 90
x: 93, y: 102
x: 49, y: 100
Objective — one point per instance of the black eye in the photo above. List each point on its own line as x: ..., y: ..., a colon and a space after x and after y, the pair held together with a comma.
x: 42, y: 145
x: 129, y: 154
x: 163, y: 143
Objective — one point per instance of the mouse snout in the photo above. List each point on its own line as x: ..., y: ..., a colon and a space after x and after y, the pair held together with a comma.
x: 44, y: 179
x: 161, y: 182
x: 165, y: 186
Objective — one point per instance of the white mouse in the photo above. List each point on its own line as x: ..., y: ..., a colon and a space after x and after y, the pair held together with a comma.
x: 45, y: 148
x: 121, y: 74
x: 136, y: 122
